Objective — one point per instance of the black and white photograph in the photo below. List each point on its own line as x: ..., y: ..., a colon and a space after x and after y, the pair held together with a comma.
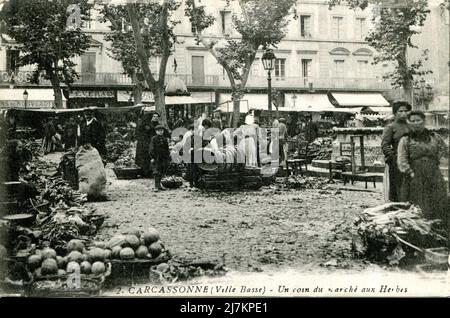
x: 224, y: 148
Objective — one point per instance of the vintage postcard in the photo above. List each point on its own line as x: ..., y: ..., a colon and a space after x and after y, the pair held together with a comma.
x: 224, y: 148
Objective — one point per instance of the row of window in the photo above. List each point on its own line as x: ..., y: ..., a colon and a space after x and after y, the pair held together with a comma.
x: 306, y: 26
x: 362, y: 68
x: 88, y: 65
x: 337, y: 26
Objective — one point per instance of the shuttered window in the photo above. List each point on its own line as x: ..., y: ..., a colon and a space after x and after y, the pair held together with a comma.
x: 305, y: 26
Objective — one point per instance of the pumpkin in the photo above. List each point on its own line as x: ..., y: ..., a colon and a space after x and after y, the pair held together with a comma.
x: 150, y: 236
x: 127, y: 253
x: 49, y: 267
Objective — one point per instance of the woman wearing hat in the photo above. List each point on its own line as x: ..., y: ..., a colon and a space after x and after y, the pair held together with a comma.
x: 392, y: 134
x: 159, y: 154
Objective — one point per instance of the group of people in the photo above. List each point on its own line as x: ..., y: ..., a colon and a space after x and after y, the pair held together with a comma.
x: 412, y: 155
x: 75, y: 132
x: 152, y: 148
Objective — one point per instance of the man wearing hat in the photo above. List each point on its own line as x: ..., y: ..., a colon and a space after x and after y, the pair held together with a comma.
x: 92, y: 132
x: 159, y: 154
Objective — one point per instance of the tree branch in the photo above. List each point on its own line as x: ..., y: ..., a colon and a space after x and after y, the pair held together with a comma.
x: 140, y: 50
x: 165, y: 41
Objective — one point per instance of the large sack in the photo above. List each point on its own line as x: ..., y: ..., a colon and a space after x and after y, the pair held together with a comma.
x: 91, y: 173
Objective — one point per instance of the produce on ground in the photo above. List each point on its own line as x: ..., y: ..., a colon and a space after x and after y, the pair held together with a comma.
x: 378, y: 231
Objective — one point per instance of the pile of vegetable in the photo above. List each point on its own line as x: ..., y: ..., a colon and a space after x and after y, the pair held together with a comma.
x: 77, y: 259
x: 117, y: 149
x: 381, y: 231
x: 136, y: 246
x: 64, y: 224
x: 176, y: 270
x: 126, y: 161
x: 33, y: 146
x: 299, y: 182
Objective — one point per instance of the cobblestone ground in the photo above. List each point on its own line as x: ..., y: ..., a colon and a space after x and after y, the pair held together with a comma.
x: 251, y: 231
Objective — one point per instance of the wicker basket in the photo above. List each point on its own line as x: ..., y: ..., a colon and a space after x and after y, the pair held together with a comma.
x: 59, y: 286
x: 131, y: 271
x: 128, y: 173
x: 437, y: 255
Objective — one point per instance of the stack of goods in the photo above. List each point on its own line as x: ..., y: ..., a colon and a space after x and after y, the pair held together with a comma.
x: 321, y: 149
x: 79, y: 270
x: 59, y: 217
x: 395, y: 231
x: 133, y: 254
x: 172, y: 182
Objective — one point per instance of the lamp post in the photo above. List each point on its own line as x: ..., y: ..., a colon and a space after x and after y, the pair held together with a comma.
x: 294, y: 98
x: 424, y: 92
x: 268, y: 60
x: 25, y: 98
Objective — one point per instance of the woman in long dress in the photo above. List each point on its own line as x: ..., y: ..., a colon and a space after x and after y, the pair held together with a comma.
x: 389, y: 144
x: 248, y: 142
x: 419, y: 154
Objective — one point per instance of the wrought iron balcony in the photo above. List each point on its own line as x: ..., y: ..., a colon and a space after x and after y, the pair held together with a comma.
x: 219, y: 81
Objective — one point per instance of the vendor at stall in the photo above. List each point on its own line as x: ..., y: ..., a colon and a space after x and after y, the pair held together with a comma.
x: 13, y: 157
x: 93, y: 132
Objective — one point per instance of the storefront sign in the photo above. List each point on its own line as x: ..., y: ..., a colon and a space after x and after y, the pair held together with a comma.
x: 6, y: 104
x: 91, y: 94
x: 127, y: 96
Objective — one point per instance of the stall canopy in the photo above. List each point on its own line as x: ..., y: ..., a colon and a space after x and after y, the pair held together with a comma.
x: 248, y: 101
x: 80, y: 110
x: 147, y: 97
x: 313, y: 103
x: 377, y: 110
x: 359, y: 100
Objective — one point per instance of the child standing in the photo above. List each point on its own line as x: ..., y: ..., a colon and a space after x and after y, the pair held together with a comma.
x: 159, y: 154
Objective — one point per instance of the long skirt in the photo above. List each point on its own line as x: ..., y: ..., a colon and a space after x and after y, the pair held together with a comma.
x: 48, y: 145
x: 395, y: 182
x: 248, y: 146
x: 386, y: 183
x: 427, y: 189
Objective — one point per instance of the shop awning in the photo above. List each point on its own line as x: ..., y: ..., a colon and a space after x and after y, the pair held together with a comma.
x: 37, y: 98
x: 377, y: 110
x: 147, y: 97
x: 313, y: 103
x: 248, y: 101
x: 183, y: 100
x: 359, y: 99
x: 33, y: 94
x: 80, y: 110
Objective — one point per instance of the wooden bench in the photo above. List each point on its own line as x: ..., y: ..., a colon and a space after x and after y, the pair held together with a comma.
x: 366, y: 177
x: 295, y: 166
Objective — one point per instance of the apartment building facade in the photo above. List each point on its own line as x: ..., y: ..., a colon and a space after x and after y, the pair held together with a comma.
x: 323, y: 52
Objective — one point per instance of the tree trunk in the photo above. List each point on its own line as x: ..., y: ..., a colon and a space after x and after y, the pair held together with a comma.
x: 57, y: 92
x: 156, y: 87
x: 236, y: 111
x: 160, y: 104
x: 137, y: 94
x: 409, y: 94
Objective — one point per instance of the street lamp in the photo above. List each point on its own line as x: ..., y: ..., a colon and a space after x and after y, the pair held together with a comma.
x: 268, y: 60
x: 25, y: 98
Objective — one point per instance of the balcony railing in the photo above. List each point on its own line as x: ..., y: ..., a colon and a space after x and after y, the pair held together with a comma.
x: 24, y: 77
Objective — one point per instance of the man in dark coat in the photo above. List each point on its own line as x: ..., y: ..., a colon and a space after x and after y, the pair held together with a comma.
x: 145, y: 131
x: 92, y: 132
x: 159, y: 153
x: 70, y: 134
